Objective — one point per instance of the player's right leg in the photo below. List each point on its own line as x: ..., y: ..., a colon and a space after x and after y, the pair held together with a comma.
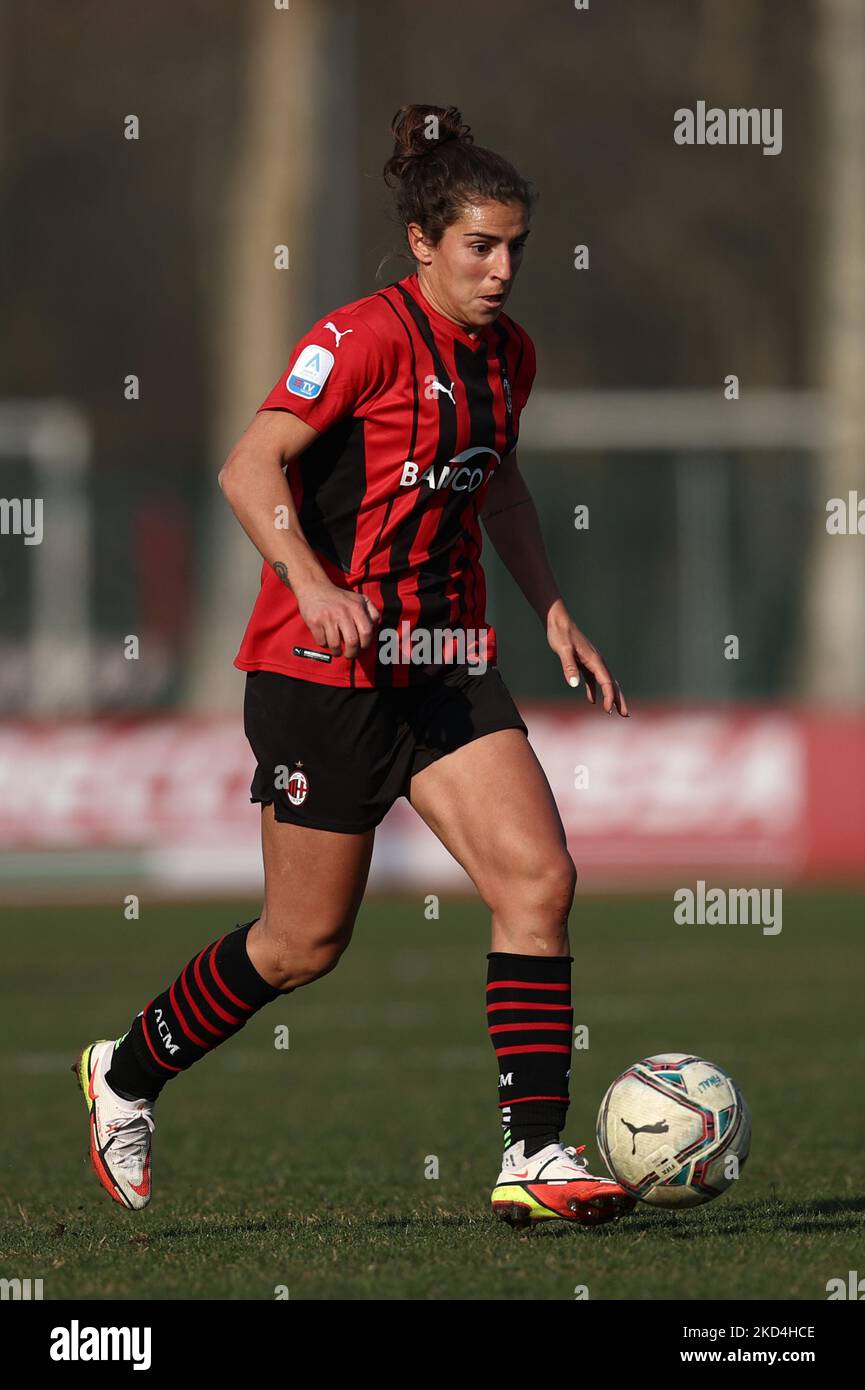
x: 314, y: 882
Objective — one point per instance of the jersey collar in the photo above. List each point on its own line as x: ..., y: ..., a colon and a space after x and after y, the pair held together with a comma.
x: 446, y: 325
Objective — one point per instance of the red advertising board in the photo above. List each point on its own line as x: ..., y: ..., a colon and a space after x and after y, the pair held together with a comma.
x: 701, y: 792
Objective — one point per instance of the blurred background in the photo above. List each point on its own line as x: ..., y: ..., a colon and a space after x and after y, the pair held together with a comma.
x: 186, y: 188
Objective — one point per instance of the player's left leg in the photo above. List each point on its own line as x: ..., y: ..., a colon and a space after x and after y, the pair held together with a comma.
x: 490, y: 804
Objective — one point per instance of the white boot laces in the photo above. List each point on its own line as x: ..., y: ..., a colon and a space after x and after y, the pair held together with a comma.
x: 132, y: 1135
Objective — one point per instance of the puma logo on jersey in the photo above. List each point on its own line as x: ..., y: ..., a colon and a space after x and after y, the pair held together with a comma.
x: 339, y: 336
x: 458, y: 479
x: 436, y: 385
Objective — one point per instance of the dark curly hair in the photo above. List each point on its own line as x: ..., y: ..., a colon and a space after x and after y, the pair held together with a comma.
x: 437, y: 170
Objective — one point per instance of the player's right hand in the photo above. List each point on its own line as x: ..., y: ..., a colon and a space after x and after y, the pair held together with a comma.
x: 338, y: 619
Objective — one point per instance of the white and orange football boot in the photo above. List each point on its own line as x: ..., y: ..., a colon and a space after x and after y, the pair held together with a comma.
x: 555, y: 1185
x: 120, y: 1130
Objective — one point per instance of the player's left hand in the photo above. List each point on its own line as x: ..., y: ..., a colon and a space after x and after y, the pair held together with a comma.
x: 578, y: 655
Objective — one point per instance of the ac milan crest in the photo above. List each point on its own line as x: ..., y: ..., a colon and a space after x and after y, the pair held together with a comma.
x: 298, y: 786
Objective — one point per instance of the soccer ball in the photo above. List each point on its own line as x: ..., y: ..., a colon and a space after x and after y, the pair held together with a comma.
x: 669, y: 1126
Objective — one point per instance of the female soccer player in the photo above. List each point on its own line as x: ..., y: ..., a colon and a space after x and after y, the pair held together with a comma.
x: 371, y: 671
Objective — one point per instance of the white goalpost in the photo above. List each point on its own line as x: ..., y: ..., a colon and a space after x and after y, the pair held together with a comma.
x: 695, y: 427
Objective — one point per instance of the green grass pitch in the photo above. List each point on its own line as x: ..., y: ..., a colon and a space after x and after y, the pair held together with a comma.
x: 304, y: 1168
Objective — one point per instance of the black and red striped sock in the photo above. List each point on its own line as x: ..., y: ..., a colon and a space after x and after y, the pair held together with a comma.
x: 216, y: 993
x: 530, y: 1022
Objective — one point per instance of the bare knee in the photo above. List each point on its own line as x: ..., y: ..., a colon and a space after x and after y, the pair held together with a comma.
x: 292, y: 958
x: 551, y: 886
x: 535, y: 896
x: 297, y: 968
x: 563, y: 883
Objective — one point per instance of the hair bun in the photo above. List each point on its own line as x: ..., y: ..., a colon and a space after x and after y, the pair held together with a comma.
x: 419, y: 129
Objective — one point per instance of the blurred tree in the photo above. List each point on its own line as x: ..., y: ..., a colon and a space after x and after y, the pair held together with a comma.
x: 832, y: 650
x: 289, y: 182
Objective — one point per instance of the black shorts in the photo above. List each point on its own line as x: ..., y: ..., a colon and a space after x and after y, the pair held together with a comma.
x: 337, y: 758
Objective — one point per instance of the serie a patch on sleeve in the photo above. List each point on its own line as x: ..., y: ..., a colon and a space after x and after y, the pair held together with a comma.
x: 309, y: 373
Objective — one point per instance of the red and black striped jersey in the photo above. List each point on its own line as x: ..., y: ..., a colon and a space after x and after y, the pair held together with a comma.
x: 414, y: 415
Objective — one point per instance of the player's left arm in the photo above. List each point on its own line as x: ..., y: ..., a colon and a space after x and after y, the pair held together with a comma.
x: 511, y: 521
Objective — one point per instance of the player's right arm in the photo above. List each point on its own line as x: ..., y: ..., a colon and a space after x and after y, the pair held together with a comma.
x: 255, y: 486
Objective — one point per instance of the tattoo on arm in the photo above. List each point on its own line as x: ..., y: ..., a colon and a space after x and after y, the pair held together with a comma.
x: 498, y: 511
x: 281, y: 572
